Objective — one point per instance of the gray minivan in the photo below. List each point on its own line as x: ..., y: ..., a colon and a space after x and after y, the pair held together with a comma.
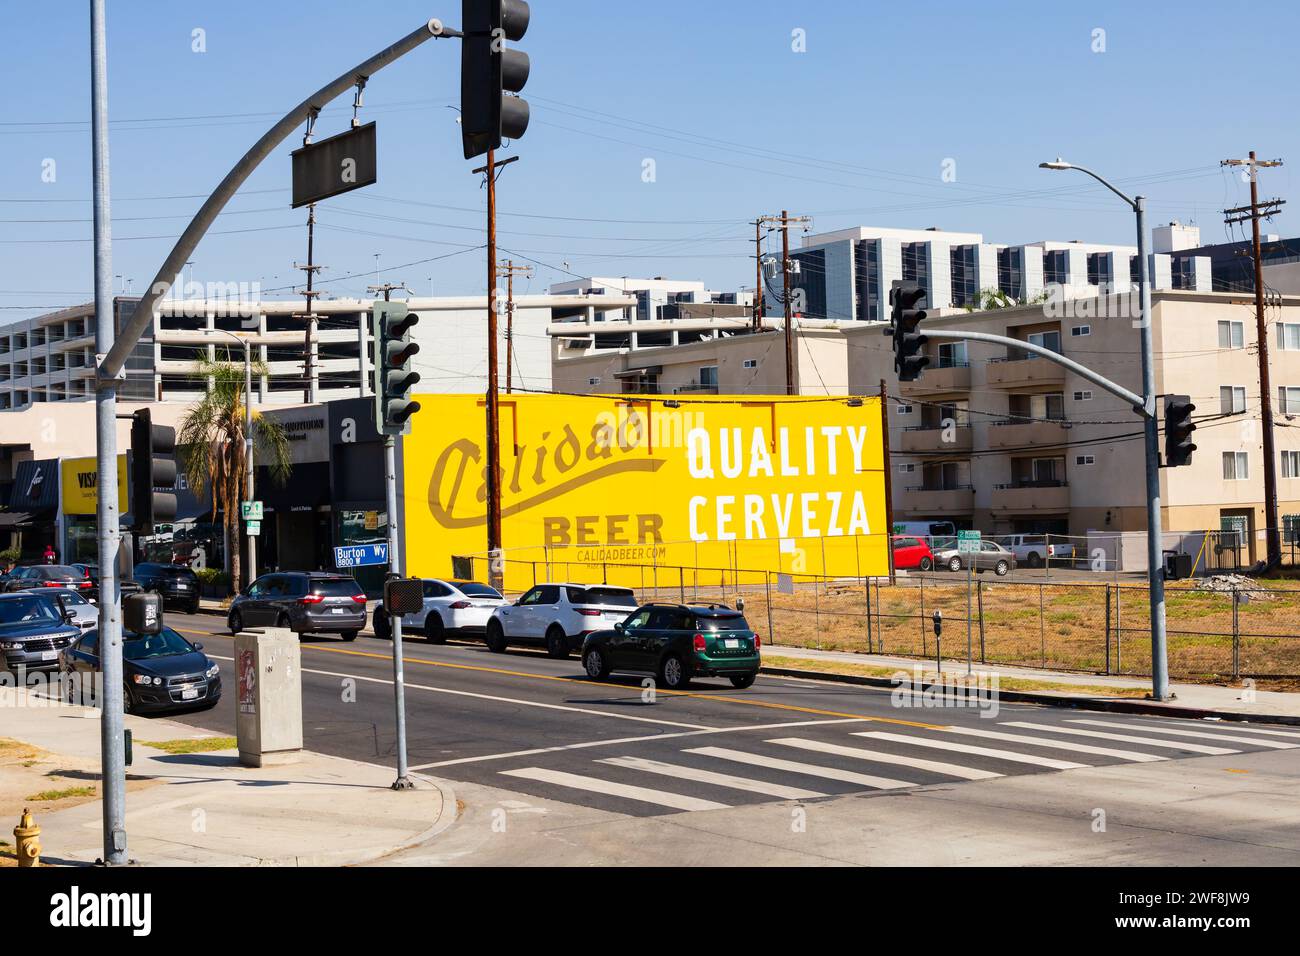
x: 303, y: 602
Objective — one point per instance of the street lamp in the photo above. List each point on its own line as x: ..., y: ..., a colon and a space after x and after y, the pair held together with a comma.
x: 246, y: 342
x: 1155, y: 553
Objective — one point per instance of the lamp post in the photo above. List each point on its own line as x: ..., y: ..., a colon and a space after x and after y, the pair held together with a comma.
x: 246, y: 342
x: 1155, y: 553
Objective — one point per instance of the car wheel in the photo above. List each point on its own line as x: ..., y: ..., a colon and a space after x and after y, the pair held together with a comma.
x: 1001, y: 569
x: 434, y: 631
x: 1035, y: 560
x: 284, y: 622
x: 926, y: 565
x: 236, y: 622
x: 743, y: 681
x: 495, y: 638
x: 349, y: 636
x: 673, y: 673
x: 557, y: 643
x: 383, y: 627
x: 594, y: 663
x: 954, y: 564
x: 128, y: 705
x: 194, y: 608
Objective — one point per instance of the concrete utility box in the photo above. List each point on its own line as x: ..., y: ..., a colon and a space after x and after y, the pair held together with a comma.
x: 268, y: 712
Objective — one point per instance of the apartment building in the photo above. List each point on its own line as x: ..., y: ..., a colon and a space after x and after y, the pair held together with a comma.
x: 50, y: 358
x: 846, y: 275
x: 658, y: 299
x: 1005, y: 442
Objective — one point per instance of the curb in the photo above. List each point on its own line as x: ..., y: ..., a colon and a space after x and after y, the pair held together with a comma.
x: 1117, y: 706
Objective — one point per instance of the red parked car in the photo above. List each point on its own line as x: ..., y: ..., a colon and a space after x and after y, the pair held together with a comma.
x: 912, y: 554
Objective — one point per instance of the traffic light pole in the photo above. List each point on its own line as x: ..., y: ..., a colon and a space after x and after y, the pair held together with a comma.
x: 112, y: 745
x: 403, y: 781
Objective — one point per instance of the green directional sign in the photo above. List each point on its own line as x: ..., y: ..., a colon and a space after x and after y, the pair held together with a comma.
x: 968, y: 542
x: 250, y: 510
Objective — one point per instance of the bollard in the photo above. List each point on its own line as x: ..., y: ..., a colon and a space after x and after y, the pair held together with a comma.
x: 27, y: 833
x: 938, y: 640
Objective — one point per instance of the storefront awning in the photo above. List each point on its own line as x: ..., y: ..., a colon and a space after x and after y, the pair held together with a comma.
x: 14, y: 519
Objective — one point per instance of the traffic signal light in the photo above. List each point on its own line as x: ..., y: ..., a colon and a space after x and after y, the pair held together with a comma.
x: 1178, y: 430
x: 394, y: 349
x: 488, y: 71
x: 908, y: 301
x: 153, y: 466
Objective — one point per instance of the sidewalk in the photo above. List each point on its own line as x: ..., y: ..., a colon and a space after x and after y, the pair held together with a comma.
x: 205, y: 809
x: 1189, y: 699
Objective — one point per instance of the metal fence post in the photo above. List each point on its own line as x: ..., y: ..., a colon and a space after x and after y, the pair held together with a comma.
x: 1236, y: 633
x: 767, y: 584
x: 1042, y: 626
x: 817, y: 611
x: 1108, y: 629
x: 681, y: 584
x: 979, y: 597
x: 925, y: 641
x: 866, y: 591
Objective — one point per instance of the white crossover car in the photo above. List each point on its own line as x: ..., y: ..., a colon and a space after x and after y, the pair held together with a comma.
x: 450, y: 607
x: 559, y: 616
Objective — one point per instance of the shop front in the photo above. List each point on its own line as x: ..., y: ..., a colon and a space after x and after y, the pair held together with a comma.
x: 79, y: 490
x: 31, y: 518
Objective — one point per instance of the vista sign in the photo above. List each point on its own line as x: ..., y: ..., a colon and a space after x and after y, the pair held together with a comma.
x: 606, y: 486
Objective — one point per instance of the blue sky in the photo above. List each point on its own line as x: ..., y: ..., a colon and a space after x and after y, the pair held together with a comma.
x: 853, y: 131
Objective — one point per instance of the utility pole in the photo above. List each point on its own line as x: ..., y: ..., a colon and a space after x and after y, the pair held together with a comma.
x: 495, y: 567
x: 309, y: 346
x: 111, y: 742
x: 758, y: 274
x: 783, y: 223
x: 1254, y: 212
x: 511, y: 270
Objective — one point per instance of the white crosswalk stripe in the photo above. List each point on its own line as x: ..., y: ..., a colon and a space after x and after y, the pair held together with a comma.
x: 1249, y: 728
x: 608, y: 787
x: 1132, y: 755
x: 808, y: 769
x: 1123, y: 738
x: 880, y: 756
x: 677, y: 771
x: 1009, y: 755
x: 1198, y: 734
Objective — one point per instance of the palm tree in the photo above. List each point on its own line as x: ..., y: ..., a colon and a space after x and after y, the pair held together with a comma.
x: 211, y: 440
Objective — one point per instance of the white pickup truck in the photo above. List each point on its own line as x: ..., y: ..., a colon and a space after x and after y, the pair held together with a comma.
x: 1035, y: 550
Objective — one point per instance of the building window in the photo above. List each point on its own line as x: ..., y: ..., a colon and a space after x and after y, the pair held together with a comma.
x: 1236, y: 466
x: 593, y: 381
x: 1082, y: 460
x: 1056, y: 267
x: 1011, y: 271
x: 952, y: 355
x: 904, y: 409
x: 1084, y: 396
x: 1079, y: 331
x: 1231, y: 335
x: 866, y: 256
x: 810, y: 277
x: 709, y: 376
x: 1291, y: 529
x: 906, y: 469
x: 1182, y: 273
x: 1291, y: 464
x: 1288, y: 400
x: 1134, y: 270
x: 916, y: 263
x: 751, y: 363
x: 1047, y: 340
x: 1232, y: 399
x: 965, y: 276
x: 1288, y: 336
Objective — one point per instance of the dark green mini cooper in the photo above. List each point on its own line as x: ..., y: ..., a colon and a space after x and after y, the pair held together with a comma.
x: 677, y: 643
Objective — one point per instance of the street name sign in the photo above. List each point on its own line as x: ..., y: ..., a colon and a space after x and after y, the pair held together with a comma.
x: 361, y: 556
x: 335, y: 166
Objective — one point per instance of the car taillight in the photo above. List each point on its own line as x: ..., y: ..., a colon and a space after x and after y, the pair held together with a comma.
x: 588, y: 613
x: 51, y: 584
x: 311, y: 599
x: 461, y: 605
x: 700, y: 644
x: 758, y: 641
x: 359, y: 598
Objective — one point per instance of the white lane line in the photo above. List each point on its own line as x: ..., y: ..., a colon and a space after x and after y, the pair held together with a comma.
x: 1237, y: 727
x: 811, y: 770
x: 1056, y: 744
x: 504, y: 700
x: 709, y: 776
x: 1198, y: 734
x: 575, y: 781
x: 879, y: 756
x: 1124, y: 738
x: 632, y: 740
x: 1010, y: 755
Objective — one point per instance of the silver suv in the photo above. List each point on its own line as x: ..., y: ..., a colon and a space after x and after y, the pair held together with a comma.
x: 303, y: 602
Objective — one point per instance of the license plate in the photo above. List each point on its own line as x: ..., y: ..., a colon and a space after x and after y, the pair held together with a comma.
x: 182, y: 587
x: 49, y: 655
x: 189, y: 693
x: 337, y: 610
x: 731, y: 644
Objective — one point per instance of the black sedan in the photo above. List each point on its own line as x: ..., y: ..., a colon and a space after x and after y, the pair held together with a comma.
x: 163, y: 672
x: 177, y: 584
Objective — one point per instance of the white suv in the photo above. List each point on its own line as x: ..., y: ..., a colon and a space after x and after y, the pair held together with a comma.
x: 450, y: 607
x: 559, y: 616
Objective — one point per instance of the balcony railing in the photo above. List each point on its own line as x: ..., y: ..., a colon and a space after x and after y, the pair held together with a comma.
x: 933, y: 439
x: 1015, y: 371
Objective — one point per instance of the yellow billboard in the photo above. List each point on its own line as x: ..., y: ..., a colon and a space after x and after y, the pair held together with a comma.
x: 606, y: 487
x: 80, y: 478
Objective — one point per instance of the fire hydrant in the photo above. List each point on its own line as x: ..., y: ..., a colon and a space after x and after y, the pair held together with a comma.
x: 27, y: 833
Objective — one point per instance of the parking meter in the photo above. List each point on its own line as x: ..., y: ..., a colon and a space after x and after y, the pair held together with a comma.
x: 938, y: 640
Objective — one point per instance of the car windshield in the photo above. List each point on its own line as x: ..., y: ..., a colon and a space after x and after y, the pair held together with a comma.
x: 69, y: 597
x: 478, y: 590
x: 945, y: 544
x: 173, y: 571
x: 26, y: 611
x: 166, y: 643
x: 722, y: 622
x: 337, y: 587
x: 618, y: 597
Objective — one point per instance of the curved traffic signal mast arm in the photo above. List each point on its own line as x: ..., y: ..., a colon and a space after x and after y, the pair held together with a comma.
x: 1139, y: 405
x: 142, y: 318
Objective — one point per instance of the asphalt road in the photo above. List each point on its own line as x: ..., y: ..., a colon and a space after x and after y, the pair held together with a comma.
x: 537, y: 728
